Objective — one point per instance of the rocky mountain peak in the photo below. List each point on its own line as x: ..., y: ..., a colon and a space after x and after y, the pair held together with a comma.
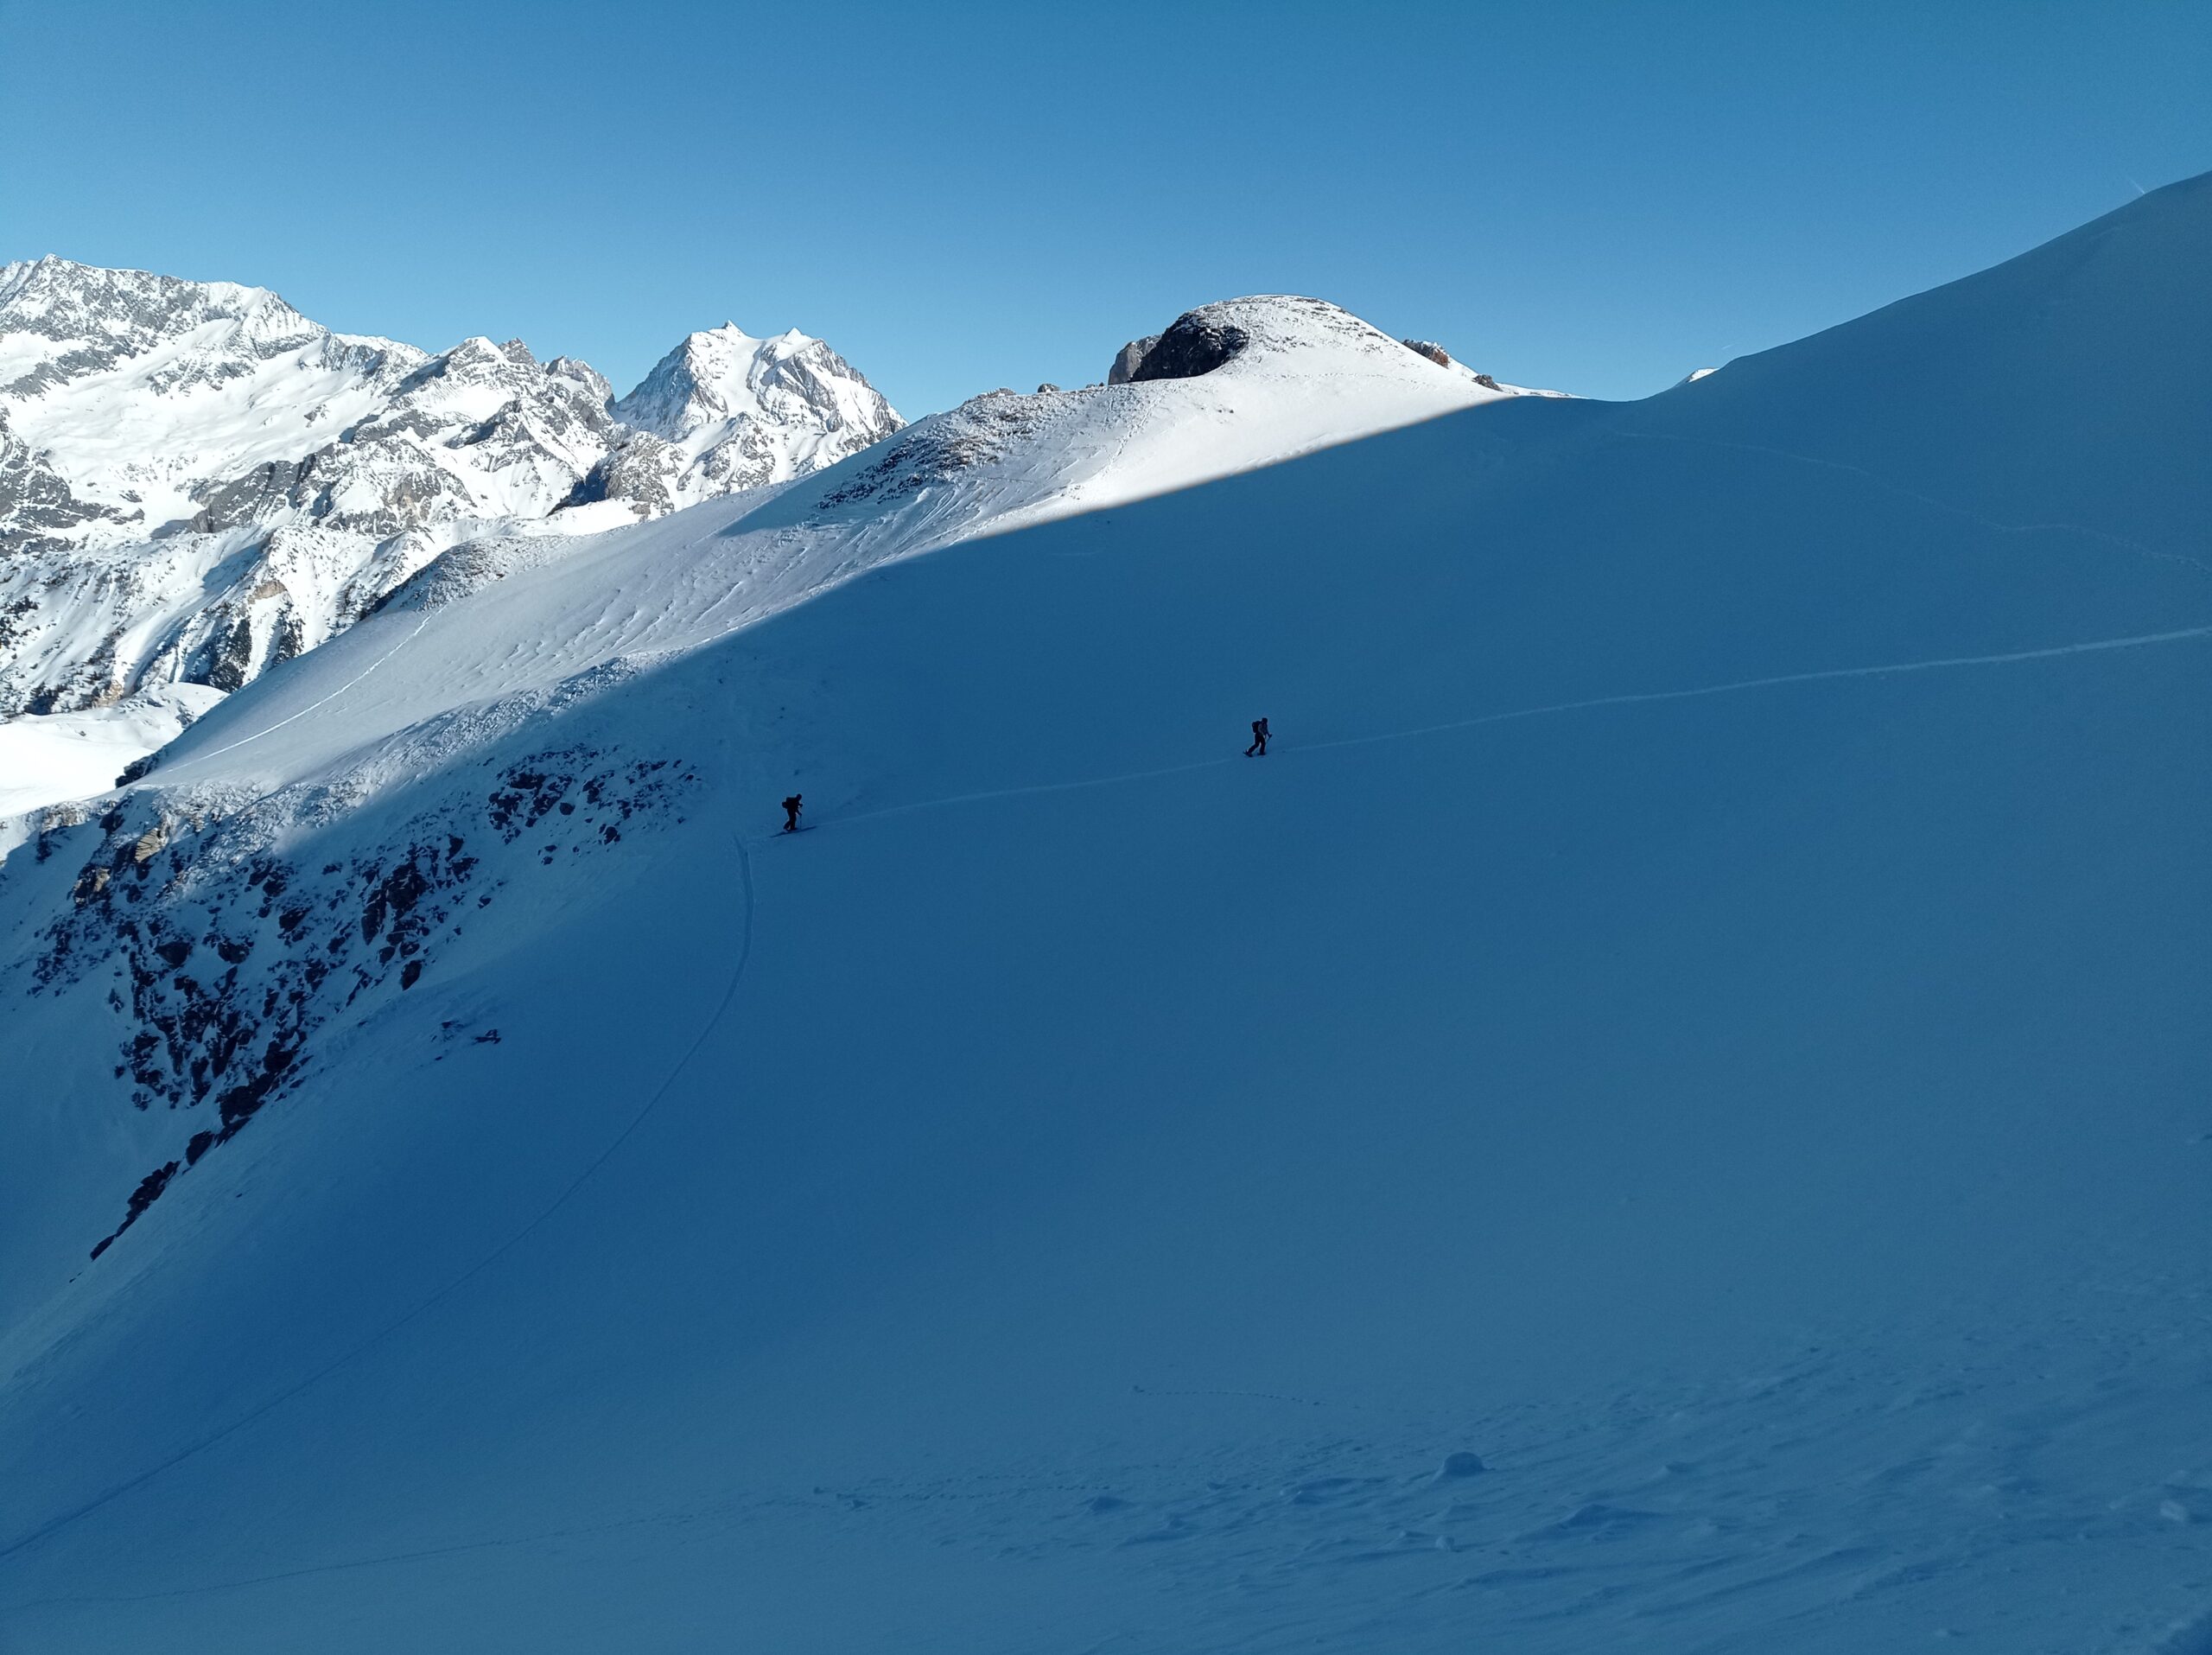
x: 726, y: 410
x: 60, y: 299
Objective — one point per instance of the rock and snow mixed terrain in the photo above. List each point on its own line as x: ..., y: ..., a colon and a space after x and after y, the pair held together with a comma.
x: 724, y: 411
x: 1667, y: 1113
x: 198, y: 483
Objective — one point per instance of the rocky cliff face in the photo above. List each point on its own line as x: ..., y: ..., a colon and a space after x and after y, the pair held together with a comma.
x: 198, y: 482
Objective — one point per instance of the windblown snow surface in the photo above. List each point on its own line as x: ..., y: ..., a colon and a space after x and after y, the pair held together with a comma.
x: 1669, y: 1112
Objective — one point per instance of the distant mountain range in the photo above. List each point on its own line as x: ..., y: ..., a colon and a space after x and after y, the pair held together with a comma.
x: 197, y: 481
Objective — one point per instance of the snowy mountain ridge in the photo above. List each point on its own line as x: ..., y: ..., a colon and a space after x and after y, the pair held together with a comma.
x: 65, y: 319
x: 114, y: 385
x: 197, y: 482
x: 460, y: 467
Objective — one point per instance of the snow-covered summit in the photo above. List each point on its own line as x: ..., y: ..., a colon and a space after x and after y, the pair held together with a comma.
x: 724, y: 410
x: 1226, y: 387
x: 791, y: 383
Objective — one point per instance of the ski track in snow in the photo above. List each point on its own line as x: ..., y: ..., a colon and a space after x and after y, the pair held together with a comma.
x: 272, y: 729
x: 1951, y: 506
x: 858, y: 564
x: 729, y: 996
x: 2139, y: 641
x: 744, y: 864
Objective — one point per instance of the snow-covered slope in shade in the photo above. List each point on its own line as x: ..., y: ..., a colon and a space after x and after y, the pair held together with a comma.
x: 1669, y: 1111
x: 2022, y: 416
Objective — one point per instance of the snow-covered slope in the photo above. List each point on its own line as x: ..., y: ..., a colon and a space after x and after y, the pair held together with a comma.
x: 62, y: 756
x: 197, y: 482
x: 1667, y: 1113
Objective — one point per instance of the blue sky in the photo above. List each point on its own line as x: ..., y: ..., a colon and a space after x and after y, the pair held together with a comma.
x: 1598, y: 197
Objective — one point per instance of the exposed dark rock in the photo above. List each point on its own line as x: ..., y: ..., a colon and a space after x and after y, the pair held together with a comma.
x: 229, y: 663
x: 1129, y: 358
x: 142, y: 1197
x: 1429, y: 348
x: 1194, y: 345
x: 232, y: 958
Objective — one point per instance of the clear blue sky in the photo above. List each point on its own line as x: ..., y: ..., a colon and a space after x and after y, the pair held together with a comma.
x: 1598, y: 197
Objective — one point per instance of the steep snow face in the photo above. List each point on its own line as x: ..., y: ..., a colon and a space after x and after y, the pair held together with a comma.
x: 1666, y: 1113
x: 731, y: 411
x: 2110, y: 369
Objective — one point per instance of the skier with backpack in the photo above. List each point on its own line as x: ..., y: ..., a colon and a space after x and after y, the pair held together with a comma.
x: 790, y: 814
x: 1259, y: 739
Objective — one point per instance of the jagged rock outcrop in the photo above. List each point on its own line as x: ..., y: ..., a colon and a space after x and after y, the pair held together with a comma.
x: 1129, y: 358
x: 1196, y: 343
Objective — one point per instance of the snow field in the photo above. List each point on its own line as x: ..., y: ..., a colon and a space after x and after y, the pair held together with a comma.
x: 1700, y: 1009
